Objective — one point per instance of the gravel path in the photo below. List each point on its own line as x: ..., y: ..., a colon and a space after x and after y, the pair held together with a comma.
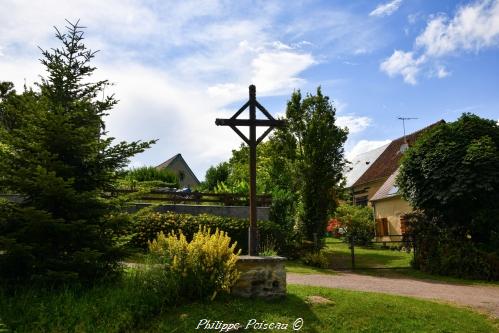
x: 483, y: 298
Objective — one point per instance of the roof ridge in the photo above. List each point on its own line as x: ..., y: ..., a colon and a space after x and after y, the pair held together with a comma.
x: 441, y: 121
x: 389, y: 159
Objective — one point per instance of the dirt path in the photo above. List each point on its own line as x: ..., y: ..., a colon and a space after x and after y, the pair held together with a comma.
x: 483, y: 298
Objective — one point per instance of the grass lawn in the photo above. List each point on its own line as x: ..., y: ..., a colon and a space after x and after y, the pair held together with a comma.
x: 376, y: 261
x: 347, y: 312
x: 121, y: 307
x: 366, y: 257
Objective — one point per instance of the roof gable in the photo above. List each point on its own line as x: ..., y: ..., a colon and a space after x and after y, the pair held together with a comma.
x: 178, y: 157
x: 388, y: 189
x: 169, y: 161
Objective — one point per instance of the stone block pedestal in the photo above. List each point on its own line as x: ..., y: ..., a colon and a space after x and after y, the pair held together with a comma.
x: 263, y: 277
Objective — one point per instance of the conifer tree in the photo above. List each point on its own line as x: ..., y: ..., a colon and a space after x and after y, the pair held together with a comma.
x: 56, y: 154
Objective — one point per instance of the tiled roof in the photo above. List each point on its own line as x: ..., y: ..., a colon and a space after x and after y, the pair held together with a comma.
x: 388, y: 161
x: 361, y: 163
x: 388, y: 189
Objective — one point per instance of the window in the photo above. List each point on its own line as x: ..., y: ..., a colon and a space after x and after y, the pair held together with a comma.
x: 361, y: 201
x: 394, y: 190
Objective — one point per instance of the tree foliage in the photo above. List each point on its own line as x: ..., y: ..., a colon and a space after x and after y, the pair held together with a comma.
x: 357, y: 222
x: 216, y: 175
x: 57, y: 155
x: 452, y: 174
x: 319, y: 142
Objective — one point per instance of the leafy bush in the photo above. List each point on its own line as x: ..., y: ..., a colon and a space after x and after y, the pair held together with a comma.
x: 149, y: 173
x: 147, y: 223
x: 444, y: 251
x: 283, y: 208
x: 204, y: 266
x: 316, y: 259
x: 357, y: 222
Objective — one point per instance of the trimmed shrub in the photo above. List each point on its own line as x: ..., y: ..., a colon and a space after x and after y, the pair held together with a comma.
x: 147, y: 223
x: 204, y: 266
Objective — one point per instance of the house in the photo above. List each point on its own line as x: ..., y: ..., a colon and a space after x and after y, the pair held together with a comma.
x: 179, y: 166
x: 389, y: 210
x: 359, y: 165
x: 371, y: 181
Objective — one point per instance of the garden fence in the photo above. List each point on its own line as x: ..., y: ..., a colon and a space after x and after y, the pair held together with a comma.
x: 380, y: 260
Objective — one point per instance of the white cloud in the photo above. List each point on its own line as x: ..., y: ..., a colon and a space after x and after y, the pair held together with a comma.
x: 386, y: 9
x: 277, y: 71
x: 281, y: 46
x: 274, y: 72
x: 355, y: 124
x: 402, y: 63
x: 473, y: 28
x: 176, y: 65
x: 364, y: 146
x: 442, y: 72
x: 334, y: 30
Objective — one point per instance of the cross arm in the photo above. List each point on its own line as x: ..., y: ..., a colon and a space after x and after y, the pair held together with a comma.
x: 248, y: 122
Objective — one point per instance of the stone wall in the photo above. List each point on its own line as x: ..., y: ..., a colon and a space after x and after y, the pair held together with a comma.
x: 263, y: 277
x: 231, y: 211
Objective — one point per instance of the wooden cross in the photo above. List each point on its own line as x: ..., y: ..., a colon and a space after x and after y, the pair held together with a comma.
x: 252, y: 142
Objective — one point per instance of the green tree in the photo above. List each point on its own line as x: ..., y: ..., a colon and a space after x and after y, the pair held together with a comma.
x: 300, y: 165
x: 216, y: 175
x: 319, y: 142
x: 452, y: 175
x: 57, y: 155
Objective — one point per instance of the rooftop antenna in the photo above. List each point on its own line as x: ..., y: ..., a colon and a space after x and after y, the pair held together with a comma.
x: 405, y: 145
x: 403, y: 125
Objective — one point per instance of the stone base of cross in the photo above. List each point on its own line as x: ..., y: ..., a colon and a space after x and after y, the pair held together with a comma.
x: 252, y: 142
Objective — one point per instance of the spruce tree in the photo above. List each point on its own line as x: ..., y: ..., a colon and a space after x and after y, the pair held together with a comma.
x: 56, y: 154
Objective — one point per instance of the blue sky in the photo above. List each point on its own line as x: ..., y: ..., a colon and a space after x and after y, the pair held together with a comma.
x: 178, y: 65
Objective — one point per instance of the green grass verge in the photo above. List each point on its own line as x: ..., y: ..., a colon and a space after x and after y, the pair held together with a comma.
x: 295, y: 266
x: 348, y: 312
x: 128, y: 306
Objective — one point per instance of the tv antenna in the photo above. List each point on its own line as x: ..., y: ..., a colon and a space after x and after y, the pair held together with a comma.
x: 403, y: 125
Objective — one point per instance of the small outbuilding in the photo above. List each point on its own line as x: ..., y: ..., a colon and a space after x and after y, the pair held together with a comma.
x: 179, y: 167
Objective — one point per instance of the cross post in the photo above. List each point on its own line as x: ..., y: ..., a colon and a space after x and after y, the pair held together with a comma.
x: 252, y: 142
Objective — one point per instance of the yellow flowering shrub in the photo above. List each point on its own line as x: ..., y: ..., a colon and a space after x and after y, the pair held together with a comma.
x: 205, y: 266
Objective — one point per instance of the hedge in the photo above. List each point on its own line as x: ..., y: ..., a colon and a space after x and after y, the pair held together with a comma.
x: 147, y: 223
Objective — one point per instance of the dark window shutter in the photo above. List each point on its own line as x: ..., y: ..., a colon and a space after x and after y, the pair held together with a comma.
x: 381, y: 227
x: 384, y: 221
x: 403, y: 224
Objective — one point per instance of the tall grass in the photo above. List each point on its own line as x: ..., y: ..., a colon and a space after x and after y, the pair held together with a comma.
x: 120, y: 306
